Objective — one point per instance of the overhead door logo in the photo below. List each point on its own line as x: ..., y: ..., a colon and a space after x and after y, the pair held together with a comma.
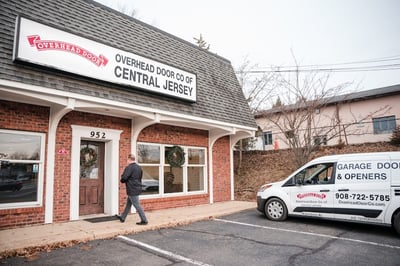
x: 41, y: 45
x: 311, y: 194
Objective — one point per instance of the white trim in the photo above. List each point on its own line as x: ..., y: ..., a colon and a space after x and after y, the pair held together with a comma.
x: 111, y: 167
x: 137, y: 125
x: 135, y: 110
x: 162, y: 164
x: 232, y: 173
x: 56, y: 113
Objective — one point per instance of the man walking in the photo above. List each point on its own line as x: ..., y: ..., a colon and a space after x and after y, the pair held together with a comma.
x: 132, y: 177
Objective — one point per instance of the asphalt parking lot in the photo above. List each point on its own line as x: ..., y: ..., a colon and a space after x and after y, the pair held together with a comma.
x: 244, y: 238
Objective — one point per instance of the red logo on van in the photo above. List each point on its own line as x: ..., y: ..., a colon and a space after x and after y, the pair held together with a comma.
x: 41, y: 45
x: 311, y: 194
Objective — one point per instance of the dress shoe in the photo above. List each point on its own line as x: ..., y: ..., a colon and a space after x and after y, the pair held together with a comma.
x: 119, y: 218
x: 141, y: 223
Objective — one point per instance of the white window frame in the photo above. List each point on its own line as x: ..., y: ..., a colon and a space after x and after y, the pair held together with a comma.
x: 39, y: 199
x: 185, y: 166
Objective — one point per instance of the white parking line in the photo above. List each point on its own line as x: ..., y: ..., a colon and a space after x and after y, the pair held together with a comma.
x: 164, y: 252
x: 312, y: 234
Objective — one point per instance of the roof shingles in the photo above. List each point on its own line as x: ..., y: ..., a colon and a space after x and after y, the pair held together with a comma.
x: 219, y: 96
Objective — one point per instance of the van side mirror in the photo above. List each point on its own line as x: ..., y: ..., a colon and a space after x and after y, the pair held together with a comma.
x: 299, y: 181
x: 299, y: 178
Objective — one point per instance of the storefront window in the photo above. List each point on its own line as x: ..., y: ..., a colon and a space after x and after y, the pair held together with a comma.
x: 149, y: 159
x: 21, y: 168
x: 196, y: 166
x: 195, y: 178
x: 150, y: 180
x: 173, y: 179
x: 161, y: 177
x: 148, y: 154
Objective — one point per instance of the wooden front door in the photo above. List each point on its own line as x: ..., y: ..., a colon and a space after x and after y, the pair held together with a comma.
x: 91, y: 180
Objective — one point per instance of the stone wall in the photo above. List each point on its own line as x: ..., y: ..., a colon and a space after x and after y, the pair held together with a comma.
x: 260, y: 167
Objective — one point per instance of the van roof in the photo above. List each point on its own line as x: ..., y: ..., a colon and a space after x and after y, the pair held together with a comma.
x: 335, y: 157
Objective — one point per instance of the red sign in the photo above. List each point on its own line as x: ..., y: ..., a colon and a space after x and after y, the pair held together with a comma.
x: 311, y: 194
x: 62, y: 151
x: 41, y: 45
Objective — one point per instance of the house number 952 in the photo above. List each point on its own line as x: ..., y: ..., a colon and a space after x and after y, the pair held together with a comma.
x: 97, y: 134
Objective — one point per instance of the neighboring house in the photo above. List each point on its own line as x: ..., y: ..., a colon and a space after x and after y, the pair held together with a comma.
x: 82, y: 86
x: 361, y: 117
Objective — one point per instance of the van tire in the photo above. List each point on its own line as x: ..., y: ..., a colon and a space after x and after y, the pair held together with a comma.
x: 396, y: 222
x: 275, y: 210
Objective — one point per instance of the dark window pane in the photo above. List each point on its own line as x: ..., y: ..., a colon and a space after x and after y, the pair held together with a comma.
x: 384, y: 125
x: 268, y: 138
x: 173, y: 179
x: 150, y: 180
x: 18, y: 182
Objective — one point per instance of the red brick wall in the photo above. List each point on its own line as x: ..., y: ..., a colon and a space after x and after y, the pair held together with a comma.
x: 17, y: 116
x: 174, y: 135
x: 221, y: 167
x: 173, y: 202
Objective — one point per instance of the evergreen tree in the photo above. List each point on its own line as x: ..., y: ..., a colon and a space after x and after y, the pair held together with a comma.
x: 395, y: 139
x: 278, y: 102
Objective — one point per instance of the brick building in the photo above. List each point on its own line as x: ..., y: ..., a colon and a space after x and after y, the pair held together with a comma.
x: 82, y: 86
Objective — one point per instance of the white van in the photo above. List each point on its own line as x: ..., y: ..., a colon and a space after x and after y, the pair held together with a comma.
x: 362, y: 187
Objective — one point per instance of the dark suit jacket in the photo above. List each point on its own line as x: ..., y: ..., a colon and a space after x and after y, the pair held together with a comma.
x: 132, y: 177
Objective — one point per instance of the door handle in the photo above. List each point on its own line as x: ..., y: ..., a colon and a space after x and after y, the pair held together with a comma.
x: 324, y: 190
x: 343, y: 189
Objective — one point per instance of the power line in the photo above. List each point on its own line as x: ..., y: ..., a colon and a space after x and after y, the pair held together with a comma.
x: 374, y: 60
x: 331, y: 67
x: 338, y: 69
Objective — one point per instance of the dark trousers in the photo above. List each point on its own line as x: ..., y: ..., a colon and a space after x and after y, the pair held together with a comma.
x: 134, y: 200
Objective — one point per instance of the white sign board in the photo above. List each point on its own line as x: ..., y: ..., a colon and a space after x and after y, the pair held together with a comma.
x: 47, y: 46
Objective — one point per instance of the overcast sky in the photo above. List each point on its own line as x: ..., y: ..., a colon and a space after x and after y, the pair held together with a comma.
x: 323, y: 33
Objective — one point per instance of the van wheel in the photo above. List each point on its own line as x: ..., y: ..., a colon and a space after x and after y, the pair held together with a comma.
x: 275, y: 210
x: 396, y: 222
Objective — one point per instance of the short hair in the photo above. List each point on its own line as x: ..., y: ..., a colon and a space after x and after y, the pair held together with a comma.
x: 131, y: 157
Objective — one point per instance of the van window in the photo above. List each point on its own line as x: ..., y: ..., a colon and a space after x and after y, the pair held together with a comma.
x: 314, y: 175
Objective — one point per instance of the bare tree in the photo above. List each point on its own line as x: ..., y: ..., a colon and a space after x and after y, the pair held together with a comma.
x: 299, y: 121
x: 302, y: 113
x: 257, y: 89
